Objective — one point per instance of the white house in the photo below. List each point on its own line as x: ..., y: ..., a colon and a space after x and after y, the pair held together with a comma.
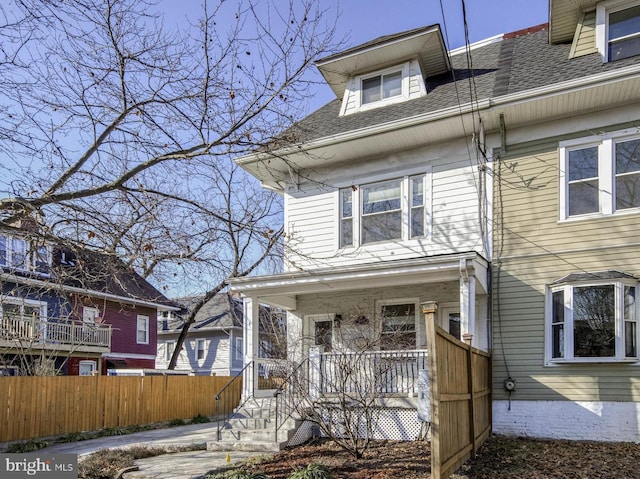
x: 504, y: 185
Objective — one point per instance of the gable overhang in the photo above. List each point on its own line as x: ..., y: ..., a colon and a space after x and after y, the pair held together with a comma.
x: 426, y: 44
x: 552, y: 102
x: 47, y: 285
x: 281, y: 289
x: 564, y: 16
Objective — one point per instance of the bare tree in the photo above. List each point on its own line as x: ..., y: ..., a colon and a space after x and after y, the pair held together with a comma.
x: 124, y: 131
x: 343, y: 394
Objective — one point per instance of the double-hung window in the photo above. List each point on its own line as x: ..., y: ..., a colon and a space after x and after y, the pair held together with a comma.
x: 599, y: 176
x: 142, y: 329
x: 398, y: 325
x: 200, y: 348
x: 618, y: 29
x: 383, y: 211
x: 592, y: 321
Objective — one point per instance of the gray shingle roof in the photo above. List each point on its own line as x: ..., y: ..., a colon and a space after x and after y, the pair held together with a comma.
x: 515, y: 64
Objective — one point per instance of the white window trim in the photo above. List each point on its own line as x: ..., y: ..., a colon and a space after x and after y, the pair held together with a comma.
x: 606, y: 173
x: 391, y: 302
x: 404, y: 96
x: 42, y: 305
x: 603, y: 10
x: 568, y: 323
x: 145, y: 318
x: 203, y: 342
x: 91, y: 363
x: 30, y: 253
x: 356, y: 205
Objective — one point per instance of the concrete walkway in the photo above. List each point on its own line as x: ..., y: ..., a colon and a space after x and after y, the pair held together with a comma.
x: 181, y: 465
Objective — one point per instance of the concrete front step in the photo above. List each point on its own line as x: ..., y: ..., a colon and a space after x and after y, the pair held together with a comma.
x: 253, y: 428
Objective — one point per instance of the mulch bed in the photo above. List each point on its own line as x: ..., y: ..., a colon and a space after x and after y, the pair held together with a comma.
x: 500, y: 457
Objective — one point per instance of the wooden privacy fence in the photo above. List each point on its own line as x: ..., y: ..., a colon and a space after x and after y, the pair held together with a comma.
x: 460, y: 387
x: 38, y: 406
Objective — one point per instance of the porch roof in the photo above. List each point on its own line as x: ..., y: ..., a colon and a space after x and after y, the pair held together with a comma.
x: 281, y: 289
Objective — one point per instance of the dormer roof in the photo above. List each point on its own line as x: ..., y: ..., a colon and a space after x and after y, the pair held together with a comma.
x: 424, y: 43
x: 564, y: 16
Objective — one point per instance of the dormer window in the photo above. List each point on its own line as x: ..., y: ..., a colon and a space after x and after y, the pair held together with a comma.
x: 624, y: 33
x: 618, y: 29
x: 381, y: 87
x: 22, y: 255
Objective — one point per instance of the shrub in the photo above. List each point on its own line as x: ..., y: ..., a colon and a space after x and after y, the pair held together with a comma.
x: 176, y: 422
x: 28, y: 446
x: 199, y: 419
x: 312, y: 471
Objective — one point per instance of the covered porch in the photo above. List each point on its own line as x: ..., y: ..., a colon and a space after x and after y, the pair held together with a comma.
x: 360, y: 325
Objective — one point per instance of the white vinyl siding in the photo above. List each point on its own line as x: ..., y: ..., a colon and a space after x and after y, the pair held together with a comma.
x: 450, y: 201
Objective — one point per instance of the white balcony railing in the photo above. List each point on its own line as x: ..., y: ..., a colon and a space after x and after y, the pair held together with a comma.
x: 51, y: 332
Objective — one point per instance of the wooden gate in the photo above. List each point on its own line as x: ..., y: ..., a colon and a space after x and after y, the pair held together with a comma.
x: 460, y: 388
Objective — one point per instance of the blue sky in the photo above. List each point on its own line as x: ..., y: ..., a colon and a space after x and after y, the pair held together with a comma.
x: 364, y: 20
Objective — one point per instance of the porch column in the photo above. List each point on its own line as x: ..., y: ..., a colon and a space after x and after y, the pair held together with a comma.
x: 315, y: 375
x: 467, y: 300
x: 249, y: 345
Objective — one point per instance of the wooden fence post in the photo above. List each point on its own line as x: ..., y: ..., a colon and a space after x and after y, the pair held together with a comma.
x: 429, y: 309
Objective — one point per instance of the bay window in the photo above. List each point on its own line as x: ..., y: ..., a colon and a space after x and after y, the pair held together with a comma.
x: 592, y: 321
x: 383, y: 211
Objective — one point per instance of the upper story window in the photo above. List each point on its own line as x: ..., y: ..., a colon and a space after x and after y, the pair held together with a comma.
x: 381, y: 87
x: 200, y: 348
x: 20, y: 254
x: 618, y: 29
x: 142, y: 329
x: 599, y: 176
x: 592, y: 321
x: 383, y: 211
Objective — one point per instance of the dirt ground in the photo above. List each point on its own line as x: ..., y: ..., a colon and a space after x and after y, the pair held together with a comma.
x: 499, y: 458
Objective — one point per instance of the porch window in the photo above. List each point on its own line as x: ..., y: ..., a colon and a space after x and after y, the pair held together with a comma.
x: 398, y: 326
x: 142, y: 330
x: 593, y: 322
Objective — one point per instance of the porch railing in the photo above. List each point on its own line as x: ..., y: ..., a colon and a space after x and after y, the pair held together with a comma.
x: 372, y: 372
x: 52, y: 332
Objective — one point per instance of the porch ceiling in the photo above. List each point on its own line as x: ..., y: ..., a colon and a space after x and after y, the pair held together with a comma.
x: 281, y: 289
